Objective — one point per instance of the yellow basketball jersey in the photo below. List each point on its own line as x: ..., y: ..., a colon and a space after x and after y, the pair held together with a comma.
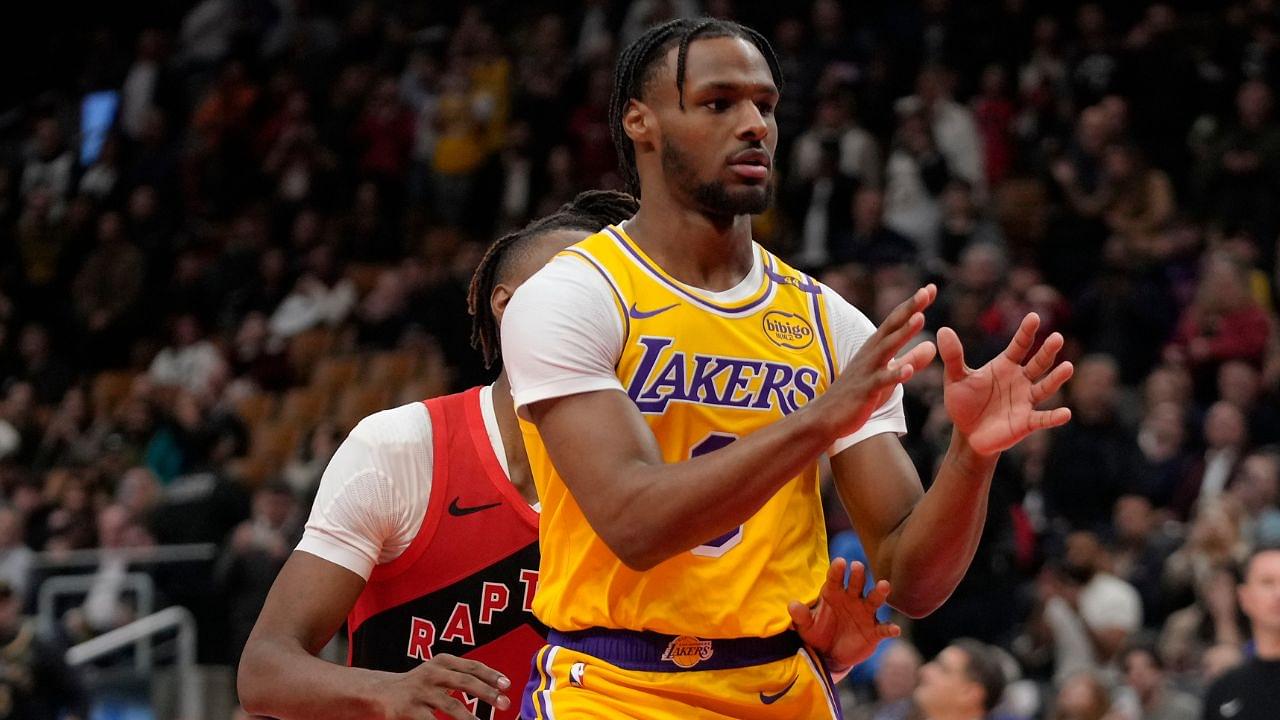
x: 703, y: 374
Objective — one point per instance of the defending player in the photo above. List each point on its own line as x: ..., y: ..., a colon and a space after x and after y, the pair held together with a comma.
x: 423, y: 538
x: 681, y: 384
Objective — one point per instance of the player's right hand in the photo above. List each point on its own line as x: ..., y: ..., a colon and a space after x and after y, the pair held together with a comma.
x: 419, y: 693
x: 874, y: 372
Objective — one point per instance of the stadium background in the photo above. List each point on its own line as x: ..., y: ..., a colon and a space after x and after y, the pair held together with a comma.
x: 231, y: 228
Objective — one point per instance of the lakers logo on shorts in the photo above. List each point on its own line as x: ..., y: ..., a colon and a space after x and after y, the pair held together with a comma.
x: 687, y: 651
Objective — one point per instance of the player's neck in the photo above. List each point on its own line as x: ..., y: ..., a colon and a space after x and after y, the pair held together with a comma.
x: 710, y: 253
x: 512, y: 441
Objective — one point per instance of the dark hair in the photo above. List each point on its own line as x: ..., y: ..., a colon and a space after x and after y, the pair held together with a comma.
x: 983, y: 668
x: 1146, y: 646
x: 1266, y: 547
x: 637, y: 62
x: 590, y: 210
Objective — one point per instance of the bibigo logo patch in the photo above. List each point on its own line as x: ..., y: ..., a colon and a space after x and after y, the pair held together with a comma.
x: 687, y: 651
x: 788, y: 330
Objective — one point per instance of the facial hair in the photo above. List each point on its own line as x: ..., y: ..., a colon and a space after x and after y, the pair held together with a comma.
x: 712, y: 197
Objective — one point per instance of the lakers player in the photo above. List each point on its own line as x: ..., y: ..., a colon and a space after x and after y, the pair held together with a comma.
x: 677, y: 384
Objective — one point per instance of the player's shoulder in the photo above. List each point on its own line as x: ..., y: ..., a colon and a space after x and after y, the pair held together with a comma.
x: 571, y: 277
x: 397, y: 427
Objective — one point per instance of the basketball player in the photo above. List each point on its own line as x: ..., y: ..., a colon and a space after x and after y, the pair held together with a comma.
x: 676, y: 385
x: 423, y: 537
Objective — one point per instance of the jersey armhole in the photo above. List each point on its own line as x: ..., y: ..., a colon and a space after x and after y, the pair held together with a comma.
x: 822, y: 320
x: 435, y: 501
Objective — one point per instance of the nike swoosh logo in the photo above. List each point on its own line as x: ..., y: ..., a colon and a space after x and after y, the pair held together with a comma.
x: 637, y: 314
x: 457, y: 510
x: 771, y: 699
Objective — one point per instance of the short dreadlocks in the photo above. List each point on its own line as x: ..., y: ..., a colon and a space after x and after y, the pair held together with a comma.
x: 639, y: 61
x: 589, y: 211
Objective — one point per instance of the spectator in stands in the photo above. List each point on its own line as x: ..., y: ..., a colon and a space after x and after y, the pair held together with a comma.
x: 915, y: 176
x: 318, y: 298
x: 384, y: 136
x: 1141, y: 203
x: 964, y: 682
x: 588, y: 132
x: 48, y: 372
x: 1223, y: 323
x: 823, y: 201
x: 1240, y: 383
x: 34, y: 678
x: 857, y: 154
x: 1092, y: 460
x: 1110, y: 607
x: 303, y: 471
x: 962, y: 225
x: 1225, y: 440
x: 1149, y: 694
x: 106, y: 291
x: 895, y: 682
x: 994, y: 113
x: 257, y: 549
x: 1239, y: 173
x: 952, y: 125
x: 1083, y: 696
x: 1252, y: 691
x: 1166, y: 460
x: 16, y: 559
x: 191, y: 362
x: 1138, y: 552
x: 1255, y: 488
x: 1213, y: 542
x: 868, y: 242
x: 70, y: 437
x: 49, y: 165
x: 139, y: 494
x: 106, y: 606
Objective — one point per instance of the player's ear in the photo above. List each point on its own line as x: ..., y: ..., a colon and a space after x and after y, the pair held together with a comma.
x: 638, y: 122
x: 498, y: 300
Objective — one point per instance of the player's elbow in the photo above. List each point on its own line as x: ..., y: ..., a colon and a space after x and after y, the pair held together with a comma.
x: 633, y: 548
x: 915, y: 603
x: 914, y: 609
x: 252, y: 680
x: 634, y: 543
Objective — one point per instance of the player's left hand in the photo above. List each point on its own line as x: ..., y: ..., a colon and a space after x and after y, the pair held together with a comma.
x: 995, y: 405
x: 842, y: 627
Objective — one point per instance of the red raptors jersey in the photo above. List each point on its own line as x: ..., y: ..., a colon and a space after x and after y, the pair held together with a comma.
x: 465, y: 585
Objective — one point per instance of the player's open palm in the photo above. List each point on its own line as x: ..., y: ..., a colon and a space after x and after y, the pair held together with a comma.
x: 995, y: 405
x: 428, y: 687
x: 843, y: 627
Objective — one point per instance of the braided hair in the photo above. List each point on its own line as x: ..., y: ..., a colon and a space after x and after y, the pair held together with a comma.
x: 589, y: 211
x: 639, y: 62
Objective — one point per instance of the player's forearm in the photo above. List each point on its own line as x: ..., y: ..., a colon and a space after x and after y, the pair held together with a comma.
x: 278, y: 678
x: 937, y: 541
x: 674, y: 507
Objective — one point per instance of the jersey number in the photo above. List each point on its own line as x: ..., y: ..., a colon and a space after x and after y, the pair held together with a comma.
x: 718, y: 546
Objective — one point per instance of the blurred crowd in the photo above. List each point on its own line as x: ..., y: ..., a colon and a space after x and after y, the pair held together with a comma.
x: 234, y: 227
